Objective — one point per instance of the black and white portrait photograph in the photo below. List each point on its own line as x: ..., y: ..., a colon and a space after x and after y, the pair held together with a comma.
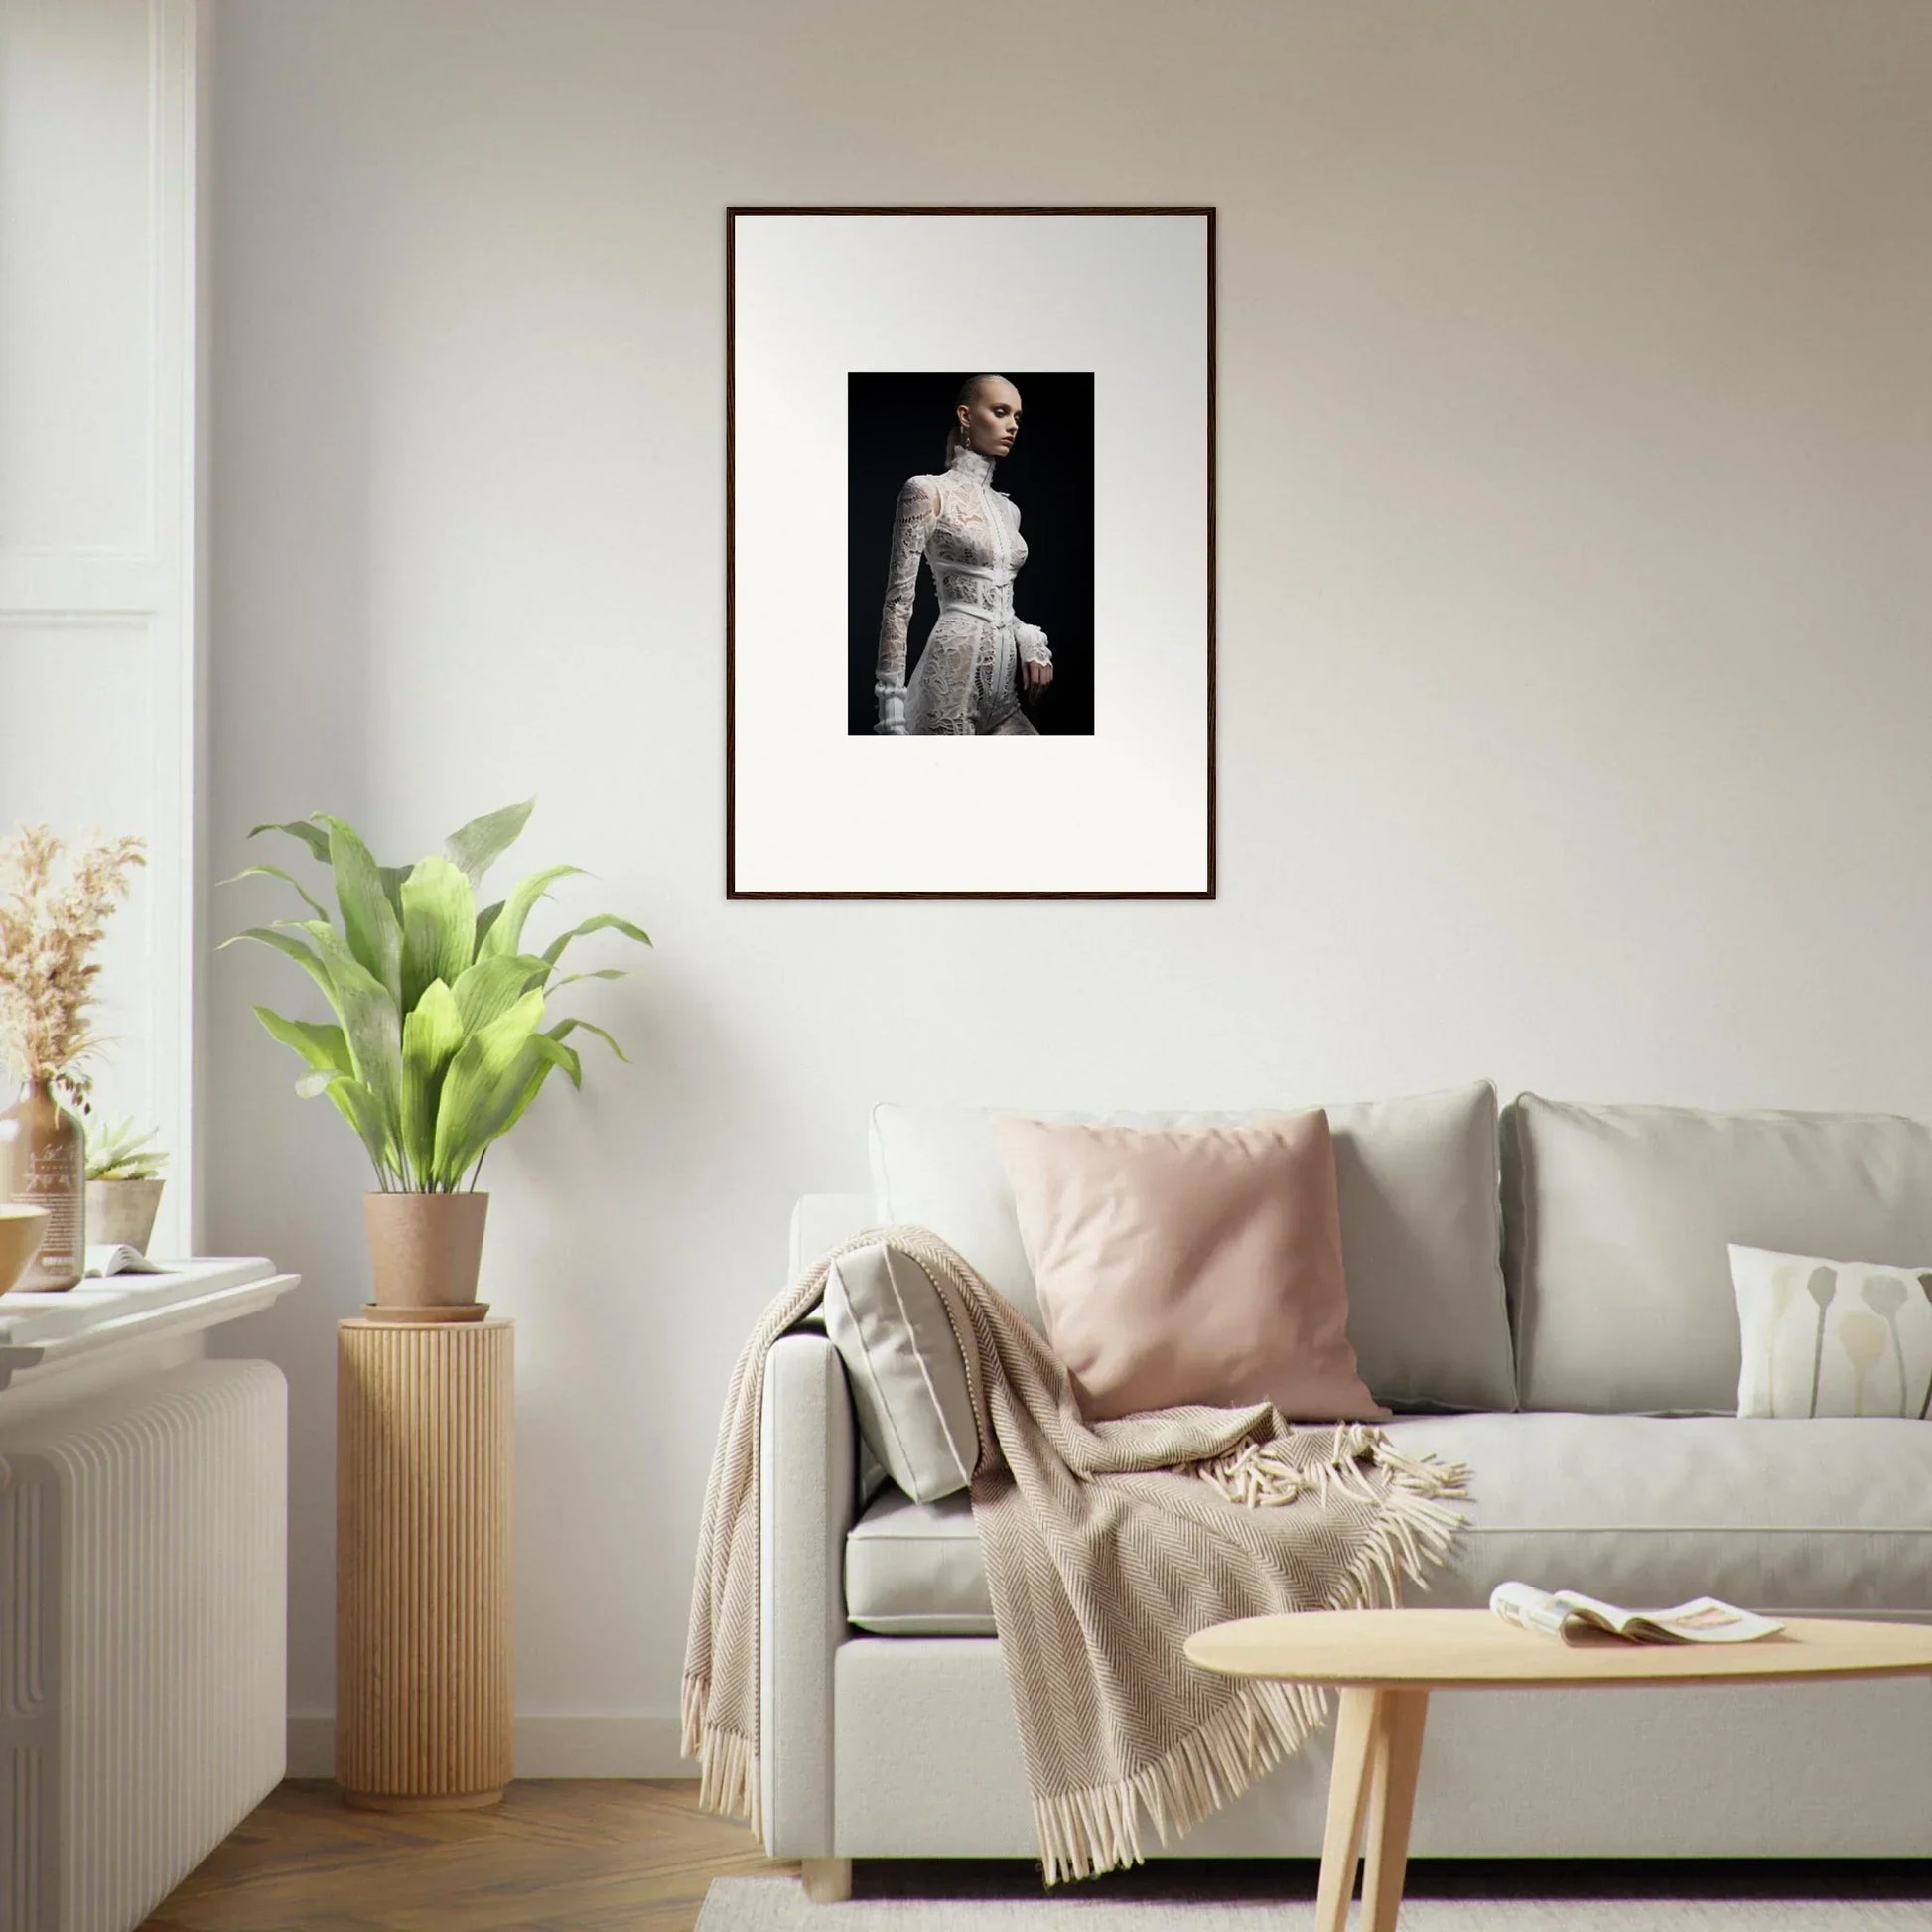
x: 970, y: 532
x: 987, y: 519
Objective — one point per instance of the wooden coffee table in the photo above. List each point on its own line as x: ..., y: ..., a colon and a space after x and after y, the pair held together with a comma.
x: 1386, y: 1662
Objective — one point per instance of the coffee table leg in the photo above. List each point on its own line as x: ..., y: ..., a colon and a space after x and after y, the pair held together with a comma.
x: 1400, y: 1717
x: 1355, y: 1735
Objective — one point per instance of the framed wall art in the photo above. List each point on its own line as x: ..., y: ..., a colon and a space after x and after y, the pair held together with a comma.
x: 969, y: 553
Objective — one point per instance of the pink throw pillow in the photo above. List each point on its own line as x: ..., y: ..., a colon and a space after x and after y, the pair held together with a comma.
x: 1190, y: 1265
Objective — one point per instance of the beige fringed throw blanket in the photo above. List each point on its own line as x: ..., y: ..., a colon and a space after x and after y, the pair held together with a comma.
x: 1107, y: 1545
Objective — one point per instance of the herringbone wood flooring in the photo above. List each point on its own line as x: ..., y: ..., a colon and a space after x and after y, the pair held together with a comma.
x: 609, y: 1856
x: 584, y: 1856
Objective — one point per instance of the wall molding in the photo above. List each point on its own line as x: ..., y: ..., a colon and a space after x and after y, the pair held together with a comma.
x: 549, y: 1744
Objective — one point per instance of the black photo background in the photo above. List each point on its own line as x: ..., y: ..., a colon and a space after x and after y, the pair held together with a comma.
x: 896, y: 426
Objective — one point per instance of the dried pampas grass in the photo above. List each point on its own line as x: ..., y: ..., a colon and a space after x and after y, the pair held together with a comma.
x: 50, y: 928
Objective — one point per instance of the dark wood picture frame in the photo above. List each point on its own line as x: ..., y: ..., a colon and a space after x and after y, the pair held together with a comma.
x: 732, y: 890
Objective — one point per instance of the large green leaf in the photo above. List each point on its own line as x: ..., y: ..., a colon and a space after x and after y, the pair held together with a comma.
x: 565, y: 1028
x: 478, y: 846
x: 369, y: 922
x: 439, y: 926
x: 324, y: 1049
x: 543, y: 1052
x: 370, y: 1019
x: 506, y: 933
x: 493, y: 986
x: 603, y: 922
x: 564, y: 1056
x: 304, y: 956
x: 310, y: 834
x: 356, y: 1105
x: 314, y: 904
x: 482, y: 1086
x: 548, y: 1050
x: 431, y: 1036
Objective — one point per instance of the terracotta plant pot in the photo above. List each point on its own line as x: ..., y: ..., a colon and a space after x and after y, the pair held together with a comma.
x: 426, y: 1249
x: 21, y: 1230
x: 123, y: 1211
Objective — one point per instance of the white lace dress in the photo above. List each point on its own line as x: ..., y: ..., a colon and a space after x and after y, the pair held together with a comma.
x: 967, y: 681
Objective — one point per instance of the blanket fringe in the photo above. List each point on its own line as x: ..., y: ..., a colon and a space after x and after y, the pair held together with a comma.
x: 1417, y: 1525
x: 693, y: 1699
x: 728, y: 1765
x: 1415, y: 1493
x: 1099, y: 1829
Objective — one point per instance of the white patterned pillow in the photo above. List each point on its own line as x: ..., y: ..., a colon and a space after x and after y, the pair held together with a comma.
x: 1832, y: 1337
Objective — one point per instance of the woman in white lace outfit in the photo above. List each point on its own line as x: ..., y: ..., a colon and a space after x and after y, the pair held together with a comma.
x: 970, y: 676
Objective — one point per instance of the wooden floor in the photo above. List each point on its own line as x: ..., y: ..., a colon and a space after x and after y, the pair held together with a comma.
x: 617, y: 1855
x: 587, y: 1855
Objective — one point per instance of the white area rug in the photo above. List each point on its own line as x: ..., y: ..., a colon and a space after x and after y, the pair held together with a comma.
x: 1586, y: 1905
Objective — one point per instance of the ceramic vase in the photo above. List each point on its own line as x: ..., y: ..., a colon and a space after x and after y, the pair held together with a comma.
x: 44, y: 1162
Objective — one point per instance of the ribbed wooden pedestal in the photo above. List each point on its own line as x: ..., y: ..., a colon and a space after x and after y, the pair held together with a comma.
x: 423, y: 1563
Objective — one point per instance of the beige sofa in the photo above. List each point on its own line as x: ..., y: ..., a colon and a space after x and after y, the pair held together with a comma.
x: 1546, y: 1299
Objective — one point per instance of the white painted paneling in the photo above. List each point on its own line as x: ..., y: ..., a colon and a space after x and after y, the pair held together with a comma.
x: 97, y: 499
x: 78, y: 242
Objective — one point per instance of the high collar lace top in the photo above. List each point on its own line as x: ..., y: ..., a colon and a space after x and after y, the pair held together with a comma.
x: 967, y: 680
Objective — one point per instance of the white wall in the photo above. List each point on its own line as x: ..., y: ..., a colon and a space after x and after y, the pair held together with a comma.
x: 1576, y: 457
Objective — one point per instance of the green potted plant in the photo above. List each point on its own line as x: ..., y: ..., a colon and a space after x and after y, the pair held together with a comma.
x: 438, y: 1040
x: 124, y: 1183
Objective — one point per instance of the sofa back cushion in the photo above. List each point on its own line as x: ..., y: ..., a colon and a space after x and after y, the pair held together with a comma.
x: 1619, y: 1221
x: 1421, y: 1239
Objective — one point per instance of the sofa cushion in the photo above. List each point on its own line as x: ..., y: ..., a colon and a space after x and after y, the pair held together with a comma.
x: 910, y: 1392
x: 914, y: 1570
x: 1188, y: 1266
x: 1416, y: 1185
x: 1619, y: 1221
x: 1832, y: 1337
x: 1822, y: 1518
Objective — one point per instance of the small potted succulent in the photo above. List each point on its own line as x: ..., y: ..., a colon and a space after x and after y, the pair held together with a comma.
x: 438, y: 1036
x: 124, y: 1183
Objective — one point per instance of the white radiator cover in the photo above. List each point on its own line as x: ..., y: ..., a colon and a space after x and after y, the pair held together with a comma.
x: 143, y: 1619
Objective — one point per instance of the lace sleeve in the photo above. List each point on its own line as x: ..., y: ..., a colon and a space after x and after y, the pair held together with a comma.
x: 1028, y: 637
x: 911, y: 525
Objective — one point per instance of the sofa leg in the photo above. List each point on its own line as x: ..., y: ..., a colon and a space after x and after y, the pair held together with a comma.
x: 828, y: 1881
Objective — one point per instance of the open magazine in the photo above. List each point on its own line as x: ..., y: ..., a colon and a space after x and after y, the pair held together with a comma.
x: 1575, y: 1618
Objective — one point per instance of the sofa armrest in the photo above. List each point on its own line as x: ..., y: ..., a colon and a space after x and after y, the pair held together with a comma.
x: 807, y: 1479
